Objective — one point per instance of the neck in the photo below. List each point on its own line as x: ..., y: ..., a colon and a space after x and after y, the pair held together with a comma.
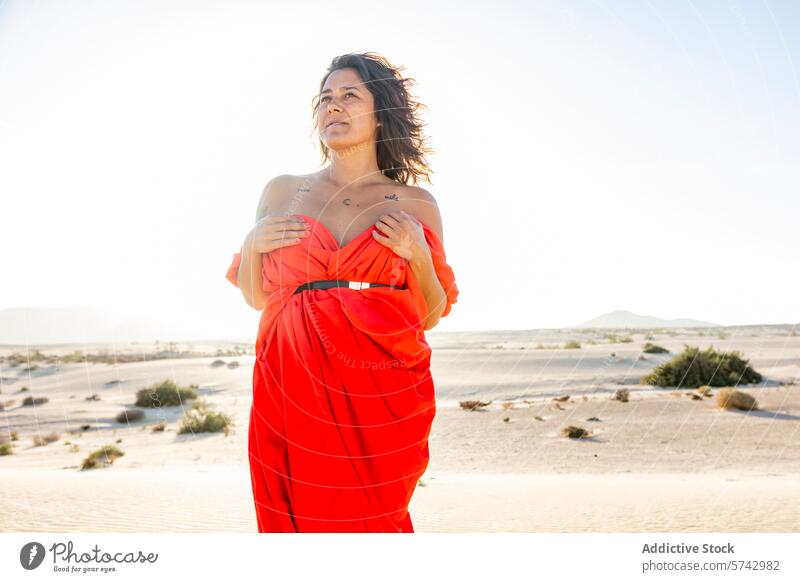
x: 356, y: 166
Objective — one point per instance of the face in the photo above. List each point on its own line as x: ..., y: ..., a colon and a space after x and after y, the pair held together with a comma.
x: 346, y: 115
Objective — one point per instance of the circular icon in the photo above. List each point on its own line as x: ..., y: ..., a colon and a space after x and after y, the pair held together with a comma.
x: 31, y: 555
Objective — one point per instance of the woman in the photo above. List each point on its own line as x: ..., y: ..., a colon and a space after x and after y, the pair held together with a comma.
x: 349, y: 268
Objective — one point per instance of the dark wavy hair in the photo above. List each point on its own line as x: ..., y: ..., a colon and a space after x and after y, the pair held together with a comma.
x: 401, y: 143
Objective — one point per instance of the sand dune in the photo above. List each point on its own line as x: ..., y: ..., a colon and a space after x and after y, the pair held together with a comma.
x: 660, y: 462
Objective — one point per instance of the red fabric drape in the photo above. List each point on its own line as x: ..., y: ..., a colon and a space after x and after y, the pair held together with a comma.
x: 343, y: 398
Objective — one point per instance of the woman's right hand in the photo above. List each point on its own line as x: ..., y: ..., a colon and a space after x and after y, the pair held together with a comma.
x: 274, y: 232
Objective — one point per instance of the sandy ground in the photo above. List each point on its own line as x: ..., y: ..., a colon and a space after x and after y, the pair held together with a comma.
x: 660, y: 462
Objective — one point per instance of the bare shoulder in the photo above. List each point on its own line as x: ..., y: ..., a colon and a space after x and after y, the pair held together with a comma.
x: 424, y: 208
x: 275, y: 193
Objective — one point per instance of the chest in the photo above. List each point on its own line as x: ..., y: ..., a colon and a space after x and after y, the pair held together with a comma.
x: 346, y: 215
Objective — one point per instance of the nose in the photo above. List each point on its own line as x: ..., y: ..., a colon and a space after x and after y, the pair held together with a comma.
x: 333, y: 105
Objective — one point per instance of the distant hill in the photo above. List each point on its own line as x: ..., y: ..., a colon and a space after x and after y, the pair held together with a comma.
x: 626, y: 319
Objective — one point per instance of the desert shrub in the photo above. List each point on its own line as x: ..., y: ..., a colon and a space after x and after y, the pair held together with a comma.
x: 5, y: 449
x: 730, y: 398
x: 575, y: 432
x: 200, y: 418
x: 130, y: 415
x: 654, y: 349
x: 166, y: 393
x: 473, y: 404
x: 159, y: 427
x: 623, y: 394
x: 572, y: 345
x: 704, y: 391
x: 32, y: 401
x: 23, y: 389
x: 693, y: 368
x: 102, y: 457
x: 40, y: 441
x: 217, y: 363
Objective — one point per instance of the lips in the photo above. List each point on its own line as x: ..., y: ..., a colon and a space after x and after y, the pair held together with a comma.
x: 332, y: 123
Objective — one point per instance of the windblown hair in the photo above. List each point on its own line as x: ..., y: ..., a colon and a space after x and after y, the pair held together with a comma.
x: 401, y: 143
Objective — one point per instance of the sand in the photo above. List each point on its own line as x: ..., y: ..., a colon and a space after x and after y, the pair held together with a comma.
x: 660, y: 462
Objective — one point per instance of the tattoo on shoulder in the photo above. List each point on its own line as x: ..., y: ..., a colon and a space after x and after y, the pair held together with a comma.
x: 304, y: 189
x: 394, y: 197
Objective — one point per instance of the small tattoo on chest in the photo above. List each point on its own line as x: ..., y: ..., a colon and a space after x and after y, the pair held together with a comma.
x: 304, y: 189
x: 394, y: 197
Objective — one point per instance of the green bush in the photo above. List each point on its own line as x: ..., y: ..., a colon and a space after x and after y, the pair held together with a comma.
x: 5, y: 449
x: 693, y: 368
x: 166, y: 393
x: 654, y: 349
x: 572, y: 345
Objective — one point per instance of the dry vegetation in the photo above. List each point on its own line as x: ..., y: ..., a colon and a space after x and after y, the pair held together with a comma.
x: 166, y: 393
x: 201, y: 418
x: 170, y: 350
x: 732, y: 399
x: 102, y: 457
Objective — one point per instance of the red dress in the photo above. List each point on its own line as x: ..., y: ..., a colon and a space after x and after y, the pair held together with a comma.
x: 343, y: 398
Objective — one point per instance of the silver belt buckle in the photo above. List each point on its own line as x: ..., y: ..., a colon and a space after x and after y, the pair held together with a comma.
x: 358, y: 285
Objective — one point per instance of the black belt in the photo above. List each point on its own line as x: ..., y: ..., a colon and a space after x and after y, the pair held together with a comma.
x: 331, y: 283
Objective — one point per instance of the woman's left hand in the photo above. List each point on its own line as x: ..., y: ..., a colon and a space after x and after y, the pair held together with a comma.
x: 403, y: 234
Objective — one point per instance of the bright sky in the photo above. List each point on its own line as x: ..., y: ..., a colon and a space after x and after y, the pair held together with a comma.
x: 592, y: 155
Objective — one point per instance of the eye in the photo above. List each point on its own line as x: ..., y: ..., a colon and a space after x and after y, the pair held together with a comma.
x: 323, y: 99
x: 348, y: 94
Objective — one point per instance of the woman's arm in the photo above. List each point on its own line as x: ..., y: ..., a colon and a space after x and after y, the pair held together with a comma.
x: 250, y: 277
x: 422, y: 266
x: 409, y: 242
